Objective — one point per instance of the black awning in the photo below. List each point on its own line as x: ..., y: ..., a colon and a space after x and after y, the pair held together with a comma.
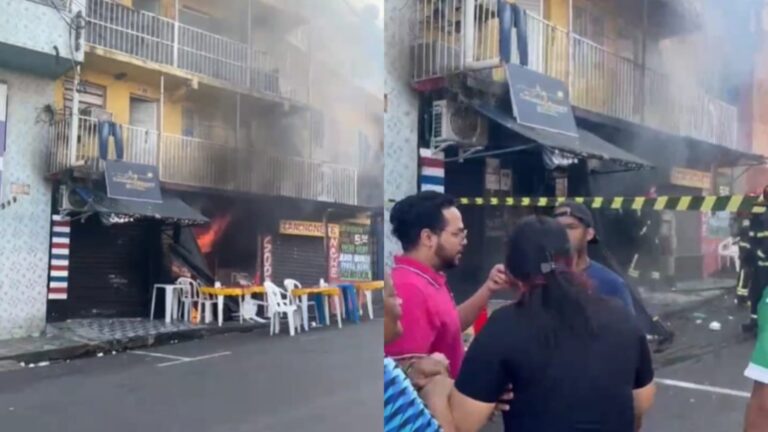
x: 586, y: 145
x: 172, y: 209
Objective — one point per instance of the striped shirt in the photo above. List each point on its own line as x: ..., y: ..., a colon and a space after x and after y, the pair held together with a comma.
x: 403, y: 409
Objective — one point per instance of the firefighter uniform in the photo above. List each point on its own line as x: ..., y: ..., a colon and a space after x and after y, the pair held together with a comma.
x: 746, y: 258
x: 758, y: 245
x: 646, y: 264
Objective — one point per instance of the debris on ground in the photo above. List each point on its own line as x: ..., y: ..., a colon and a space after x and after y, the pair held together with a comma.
x: 715, y: 326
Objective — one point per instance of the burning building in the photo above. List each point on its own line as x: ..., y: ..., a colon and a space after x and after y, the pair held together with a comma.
x: 248, y: 128
x: 556, y: 98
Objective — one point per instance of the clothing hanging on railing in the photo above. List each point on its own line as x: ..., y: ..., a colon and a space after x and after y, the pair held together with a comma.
x: 111, y: 129
x: 512, y: 15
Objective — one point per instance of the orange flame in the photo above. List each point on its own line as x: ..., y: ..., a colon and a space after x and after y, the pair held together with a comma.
x: 206, y: 237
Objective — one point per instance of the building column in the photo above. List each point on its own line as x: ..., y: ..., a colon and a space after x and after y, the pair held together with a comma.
x: 400, y: 118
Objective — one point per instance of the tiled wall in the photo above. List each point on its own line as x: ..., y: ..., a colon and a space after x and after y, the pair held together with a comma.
x: 401, y: 118
x: 25, y: 226
x: 38, y: 26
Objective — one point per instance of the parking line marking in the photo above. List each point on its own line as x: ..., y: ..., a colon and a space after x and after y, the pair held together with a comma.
x: 711, y: 389
x: 151, y: 354
x: 187, y: 360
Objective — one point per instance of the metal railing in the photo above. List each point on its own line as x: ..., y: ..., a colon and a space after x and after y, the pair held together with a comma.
x: 160, y: 40
x: 599, y: 79
x: 139, y: 145
x: 206, y: 164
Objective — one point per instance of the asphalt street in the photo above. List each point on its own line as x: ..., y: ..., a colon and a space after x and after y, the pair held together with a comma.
x: 325, y: 380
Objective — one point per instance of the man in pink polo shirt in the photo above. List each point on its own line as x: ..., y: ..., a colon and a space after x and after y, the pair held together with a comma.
x: 433, y: 237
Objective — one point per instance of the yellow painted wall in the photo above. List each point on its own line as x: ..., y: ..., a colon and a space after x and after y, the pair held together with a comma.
x: 118, y: 96
x: 557, y: 12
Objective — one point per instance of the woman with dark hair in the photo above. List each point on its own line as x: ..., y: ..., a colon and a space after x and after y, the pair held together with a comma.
x: 575, y: 362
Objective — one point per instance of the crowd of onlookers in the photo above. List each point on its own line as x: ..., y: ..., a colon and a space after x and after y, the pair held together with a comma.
x: 567, y: 354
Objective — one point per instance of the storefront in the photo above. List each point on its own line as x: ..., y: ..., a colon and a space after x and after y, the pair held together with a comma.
x: 107, y: 253
x: 341, y: 251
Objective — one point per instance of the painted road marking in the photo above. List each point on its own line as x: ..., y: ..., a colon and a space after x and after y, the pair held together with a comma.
x: 187, y: 360
x: 706, y: 388
x: 151, y: 354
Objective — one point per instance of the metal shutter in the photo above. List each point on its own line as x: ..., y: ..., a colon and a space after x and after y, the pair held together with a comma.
x: 301, y: 258
x: 111, y: 268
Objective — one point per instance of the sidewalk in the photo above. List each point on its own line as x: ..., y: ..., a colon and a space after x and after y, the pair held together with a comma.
x: 81, y: 338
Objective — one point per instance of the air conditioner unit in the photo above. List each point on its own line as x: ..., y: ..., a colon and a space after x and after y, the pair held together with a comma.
x: 70, y: 200
x: 458, y: 124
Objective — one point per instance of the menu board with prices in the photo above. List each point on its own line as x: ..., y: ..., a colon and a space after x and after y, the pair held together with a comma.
x: 355, y: 262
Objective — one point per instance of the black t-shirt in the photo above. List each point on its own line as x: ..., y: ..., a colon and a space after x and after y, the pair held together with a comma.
x: 567, y: 384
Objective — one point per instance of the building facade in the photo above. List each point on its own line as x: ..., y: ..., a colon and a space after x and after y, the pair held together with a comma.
x: 38, y: 44
x: 248, y: 126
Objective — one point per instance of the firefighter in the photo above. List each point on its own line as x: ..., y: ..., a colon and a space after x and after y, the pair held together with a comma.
x: 746, y: 258
x: 646, y: 264
x: 758, y: 245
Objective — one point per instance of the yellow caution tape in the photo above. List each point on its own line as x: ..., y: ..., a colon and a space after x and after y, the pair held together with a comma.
x: 729, y: 203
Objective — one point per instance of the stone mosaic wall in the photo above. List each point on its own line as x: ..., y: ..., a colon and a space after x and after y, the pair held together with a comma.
x: 25, y: 226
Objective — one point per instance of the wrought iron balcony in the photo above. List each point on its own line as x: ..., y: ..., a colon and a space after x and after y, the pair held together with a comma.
x: 461, y: 35
x: 204, y: 164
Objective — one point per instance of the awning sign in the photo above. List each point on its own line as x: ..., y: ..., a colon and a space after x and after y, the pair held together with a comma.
x: 307, y: 229
x: 540, y: 101
x: 132, y: 181
x: 690, y: 178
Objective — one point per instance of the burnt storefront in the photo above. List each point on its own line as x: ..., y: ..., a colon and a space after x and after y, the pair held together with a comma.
x: 107, y: 252
x: 252, y: 239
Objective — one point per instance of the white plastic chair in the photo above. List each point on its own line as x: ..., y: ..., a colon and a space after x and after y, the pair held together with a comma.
x: 279, y: 305
x: 190, y: 295
x: 729, y: 250
x: 292, y: 284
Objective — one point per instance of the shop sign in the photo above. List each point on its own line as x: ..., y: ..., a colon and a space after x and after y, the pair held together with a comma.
x: 355, y: 261
x: 333, y: 255
x: 492, y: 174
x: 307, y: 229
x: 540, y: 101
x: 132, y: 181
x: 691, y: 178
x: 506, y: 180
x: 267, y: 258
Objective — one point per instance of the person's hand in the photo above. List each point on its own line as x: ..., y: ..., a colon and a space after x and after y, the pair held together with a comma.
x: 420, y: 371
x: 497, y: 279
x: 503, y: 404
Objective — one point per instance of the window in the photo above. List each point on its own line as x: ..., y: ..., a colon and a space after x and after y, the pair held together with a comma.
x: 589, y: 23
x: 91, y: 95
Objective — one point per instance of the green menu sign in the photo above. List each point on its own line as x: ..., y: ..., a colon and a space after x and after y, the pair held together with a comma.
x: 355, y: 258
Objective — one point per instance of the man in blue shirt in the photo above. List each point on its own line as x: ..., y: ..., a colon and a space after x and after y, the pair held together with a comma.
x: 578, y: 221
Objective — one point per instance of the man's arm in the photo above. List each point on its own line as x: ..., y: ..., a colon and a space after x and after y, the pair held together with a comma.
x: 470, y: 309
x: 757, y: 409
x: 643, y: 401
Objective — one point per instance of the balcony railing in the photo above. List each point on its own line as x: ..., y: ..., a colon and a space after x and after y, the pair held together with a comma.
x: 460, y: 35
x: 205, y: 164
x: 163, y: 41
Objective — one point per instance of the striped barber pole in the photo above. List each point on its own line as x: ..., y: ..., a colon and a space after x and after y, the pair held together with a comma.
x: 59, y: 275
x: 431, y: 171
